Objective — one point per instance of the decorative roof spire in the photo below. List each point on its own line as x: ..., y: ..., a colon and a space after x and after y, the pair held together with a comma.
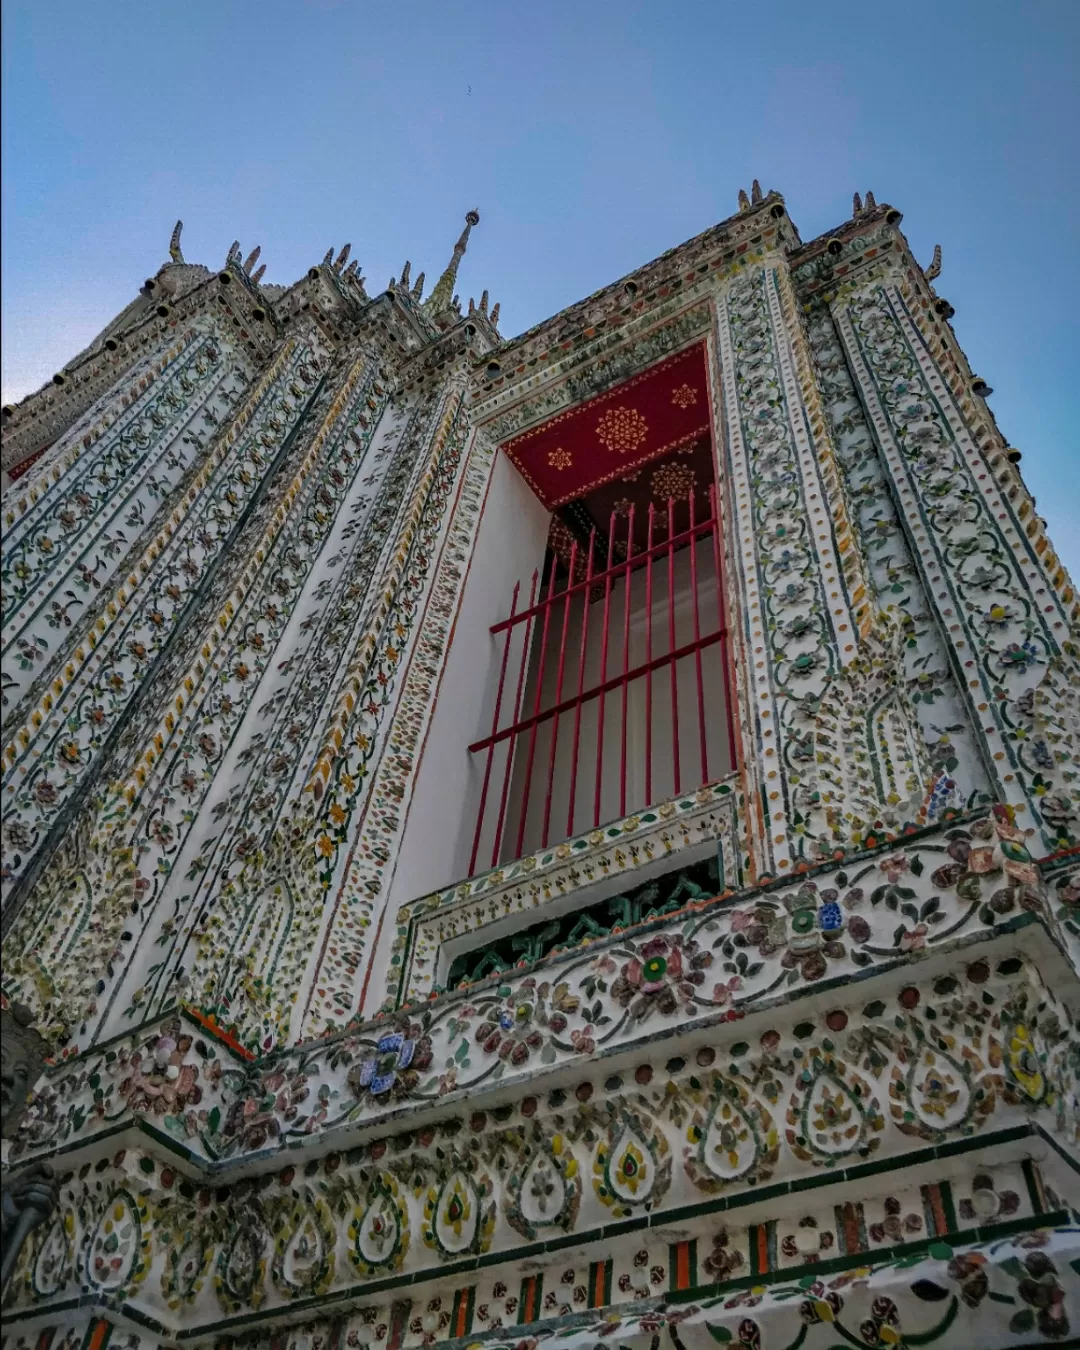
x: 342, y: 258
x: 252, y: 258
x: 934, y: 270
x: 871, y: 203
x: 755, y: 192
x: 174, y: 243
x: 329, y: 258
x: 257, y: 275
x: 442, y: 296
x: 744, y: 200
x: 418, y: 289
x: 495, y: 314
x: 856, y: 205
x: 404, y: 282
x: 233, y: 254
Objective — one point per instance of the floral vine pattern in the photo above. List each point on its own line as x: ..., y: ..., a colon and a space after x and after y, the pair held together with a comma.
x: 994, y: 582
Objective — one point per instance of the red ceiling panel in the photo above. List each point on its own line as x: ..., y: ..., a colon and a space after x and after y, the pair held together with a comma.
x: 657, y: 412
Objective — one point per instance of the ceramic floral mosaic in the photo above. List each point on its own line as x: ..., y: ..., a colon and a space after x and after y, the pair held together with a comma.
x: 782, y: 1060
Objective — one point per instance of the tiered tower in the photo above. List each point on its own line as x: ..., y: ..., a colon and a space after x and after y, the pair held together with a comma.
x: 568, y: 839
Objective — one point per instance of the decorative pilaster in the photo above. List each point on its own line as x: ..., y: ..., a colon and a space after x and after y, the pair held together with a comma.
x: 1005, y: 610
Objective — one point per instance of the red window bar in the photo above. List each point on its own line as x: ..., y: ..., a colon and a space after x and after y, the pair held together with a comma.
x: 532, y: 626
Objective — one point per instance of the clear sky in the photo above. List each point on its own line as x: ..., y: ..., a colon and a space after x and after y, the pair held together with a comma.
x: 591, y: 134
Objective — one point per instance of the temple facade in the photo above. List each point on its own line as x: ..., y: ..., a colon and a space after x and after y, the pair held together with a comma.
x: 562, y: 840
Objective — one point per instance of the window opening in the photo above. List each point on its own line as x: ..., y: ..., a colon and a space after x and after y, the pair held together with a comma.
x: 653, y: 899
x: 613, y: 678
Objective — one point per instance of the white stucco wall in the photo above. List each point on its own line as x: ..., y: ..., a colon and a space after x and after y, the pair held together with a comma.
x: 437, y: 842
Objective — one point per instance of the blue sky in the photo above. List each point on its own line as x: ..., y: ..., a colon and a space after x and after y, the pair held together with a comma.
x: 591, y: 135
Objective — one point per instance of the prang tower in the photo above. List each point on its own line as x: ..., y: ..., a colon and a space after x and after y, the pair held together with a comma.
x: 568, y: 839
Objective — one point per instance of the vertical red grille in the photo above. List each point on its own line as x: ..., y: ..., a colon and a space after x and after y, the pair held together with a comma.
x: 551, y: 745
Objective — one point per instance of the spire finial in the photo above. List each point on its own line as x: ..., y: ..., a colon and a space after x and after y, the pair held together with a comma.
x: 174, y: 243
x: 442, y: 296
x: 744, y: 200
x: 856, y: 205
x: 258, y: 274
x: 252, y: 258
x: 755, y: 192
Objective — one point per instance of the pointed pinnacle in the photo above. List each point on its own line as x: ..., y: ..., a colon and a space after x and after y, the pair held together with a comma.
x: 744, y: 200
x: 755, y: 192
x: 174, y: 243
x: 494, y: 316
x: 856, y: 205
x: 404, y: 283
x: 871, y: 203
x: 418, y: 289
x: 252, y: 258
x: 442, y: 297
x: 484, y: 303
x: 329, y: 258
x: 234, y: 251
x: 342, y: 258
x: 258, y: 275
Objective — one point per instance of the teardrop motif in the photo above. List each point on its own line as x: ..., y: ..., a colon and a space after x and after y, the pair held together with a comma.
x: 304, y: 1251
x: 938, y: 1095
x: 733, y: 1139
x: 113, y: 1252
x: 632, y: 1168
x: 51, y: 1268
x: 456, y: 1214
x: 835, y: 1116
x: 1024, y: 1062
x: 459, y: 1215
x: 186, y: 1264
x: 241, y: 1270
x: 547, y: 1192
x: 379, y: 1232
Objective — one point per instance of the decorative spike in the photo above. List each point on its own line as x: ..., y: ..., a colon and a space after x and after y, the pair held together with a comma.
x: 744, y: 200
x: 418, y: 289
x: 404, y: 282
x: 934, y: 270
x: 856, y: 205
x: 484, y: 303
x: 455, y: 303
x: 755, y: 192
x: 494, y: 314
x: 233, y: 254
x: 329, y: 258
x: 871, y: 204
x: 351, y: 270
x: 252, y: 258
x: 174, y: 243
x: 472, y: 305
x: 258, y: 276
x: 443, y: 294
x: 342, y: 258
